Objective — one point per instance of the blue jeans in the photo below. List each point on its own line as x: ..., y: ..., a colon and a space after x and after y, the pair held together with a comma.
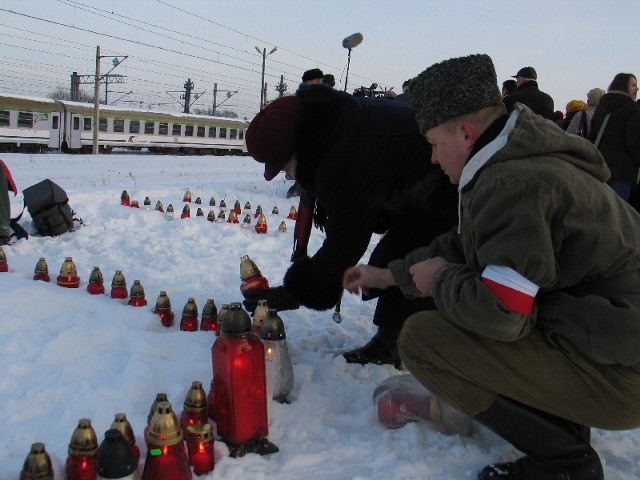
x: 623, y: 189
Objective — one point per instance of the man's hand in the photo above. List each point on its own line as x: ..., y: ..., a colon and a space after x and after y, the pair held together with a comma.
x: 363, y: 277
x: 423, y: 272
x: 278, y: 298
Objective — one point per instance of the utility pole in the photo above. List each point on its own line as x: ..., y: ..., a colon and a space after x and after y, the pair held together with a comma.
x: 96, y: 103
x: 215, y: 94
x: 75, y: 87
x: 281, y: 87
x: 188, y: 86
x: 264, y: 54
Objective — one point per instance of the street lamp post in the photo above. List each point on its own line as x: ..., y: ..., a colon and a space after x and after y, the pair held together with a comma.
x: 264, y: 54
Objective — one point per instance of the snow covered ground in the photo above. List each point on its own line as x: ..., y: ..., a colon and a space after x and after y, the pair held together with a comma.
x: 67, y: 355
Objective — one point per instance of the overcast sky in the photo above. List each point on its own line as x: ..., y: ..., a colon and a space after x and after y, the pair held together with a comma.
x: 573, y: 45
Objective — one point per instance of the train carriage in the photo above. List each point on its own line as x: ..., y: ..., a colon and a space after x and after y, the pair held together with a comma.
x: 34, y: 124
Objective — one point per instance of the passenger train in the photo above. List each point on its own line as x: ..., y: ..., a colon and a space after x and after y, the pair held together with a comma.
x: 39, y: 124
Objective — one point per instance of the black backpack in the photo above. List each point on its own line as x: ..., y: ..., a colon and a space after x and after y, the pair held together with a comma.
x: 49, y: 208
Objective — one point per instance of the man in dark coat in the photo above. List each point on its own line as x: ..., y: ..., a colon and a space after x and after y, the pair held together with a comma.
x: 528, y: 93
x: 340, y: 147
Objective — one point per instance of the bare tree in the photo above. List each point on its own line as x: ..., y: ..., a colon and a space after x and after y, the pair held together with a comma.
x: 62, y: 93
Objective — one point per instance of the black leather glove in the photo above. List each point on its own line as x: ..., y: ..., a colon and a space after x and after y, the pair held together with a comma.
x: 277, y: 297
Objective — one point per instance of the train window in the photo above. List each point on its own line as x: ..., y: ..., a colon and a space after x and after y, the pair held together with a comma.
x: 134, y: 126
x: 200, y: 131
x: 223, y: 132
x: 118, y: 125
x: 188, y: 131
x: 233, y: 133
x: 176, y: 129
x: 25, y: 120
x: 163, y: 129
x: 76, y: 123
x: 149, y: 128
x: 212, y: 132
x: 240, y: 134
x: 102, y: 125
x: 55, y: 120
x: 87, y: 124
x: 4, y: 118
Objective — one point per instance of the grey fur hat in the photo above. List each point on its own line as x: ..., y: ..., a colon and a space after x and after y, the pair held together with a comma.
x: 452, y: 88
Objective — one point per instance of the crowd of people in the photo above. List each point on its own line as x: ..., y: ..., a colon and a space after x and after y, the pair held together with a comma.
x: 507, y: 279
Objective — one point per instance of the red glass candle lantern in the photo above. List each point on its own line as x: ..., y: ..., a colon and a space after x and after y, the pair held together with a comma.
x: 293, y: 213
x: 233, y: 217
x: 166, y: 456
x: 147, y: 203
x: 200, y: 448
x: 258, y: 212
x: 96, y: 282
x: 251, y: 276
x: 236, y: 207
x: 211, y: 216
x: 194, y: 411
x: 261, y: 225
x: 41, y: 271
x: 186, y: 211
x: 124, y: 199
x: 119, y: 285
x: 159, y: 206
x: 163, y: 309
x: 275, y: 211
x: 199, y: 212
x: 223, y: 205
x: 136, y: 295
x: 169, y: 214
x: 209, y: 319
x: 81, y: 461
x: 189, y: 320
x: 4, y: 266
x: 160, y: 397
x: 135, y: 204
x: 121, y: 424
x: 239, y: 380
x: 259, y: 316
x: 212, y: 202
x: 68, y: 274
x: 116, y: 459
x: 187, y: 196
x: 37, y: 465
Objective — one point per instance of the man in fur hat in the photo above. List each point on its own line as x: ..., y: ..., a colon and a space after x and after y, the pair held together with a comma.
x: 339, y: 147
x: 537, y: 329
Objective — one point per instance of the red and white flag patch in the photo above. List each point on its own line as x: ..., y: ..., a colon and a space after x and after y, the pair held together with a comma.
x: 514, y: 291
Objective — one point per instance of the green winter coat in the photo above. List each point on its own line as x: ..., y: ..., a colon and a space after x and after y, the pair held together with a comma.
x: 535, y: 200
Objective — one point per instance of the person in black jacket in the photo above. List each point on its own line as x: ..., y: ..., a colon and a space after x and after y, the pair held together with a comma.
x: 341, y: 147
x: 620, y: 139
x: 528, y: 93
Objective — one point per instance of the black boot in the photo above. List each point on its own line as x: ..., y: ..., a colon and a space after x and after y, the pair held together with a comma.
x: 382, y: 349
x: 556, y: 449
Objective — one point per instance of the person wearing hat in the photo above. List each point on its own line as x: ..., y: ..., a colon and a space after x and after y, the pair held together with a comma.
x: 527, y: 92
x: 312, y: 76
x: 329, y: 79
x: 572, y: 109
x: 341, y: 148
x: 536, y: 335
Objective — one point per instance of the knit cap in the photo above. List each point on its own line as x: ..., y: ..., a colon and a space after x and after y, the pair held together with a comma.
x: 453, y: 88
x: 575, y: 106
x: 271, y: 134
x: 594, y: 96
